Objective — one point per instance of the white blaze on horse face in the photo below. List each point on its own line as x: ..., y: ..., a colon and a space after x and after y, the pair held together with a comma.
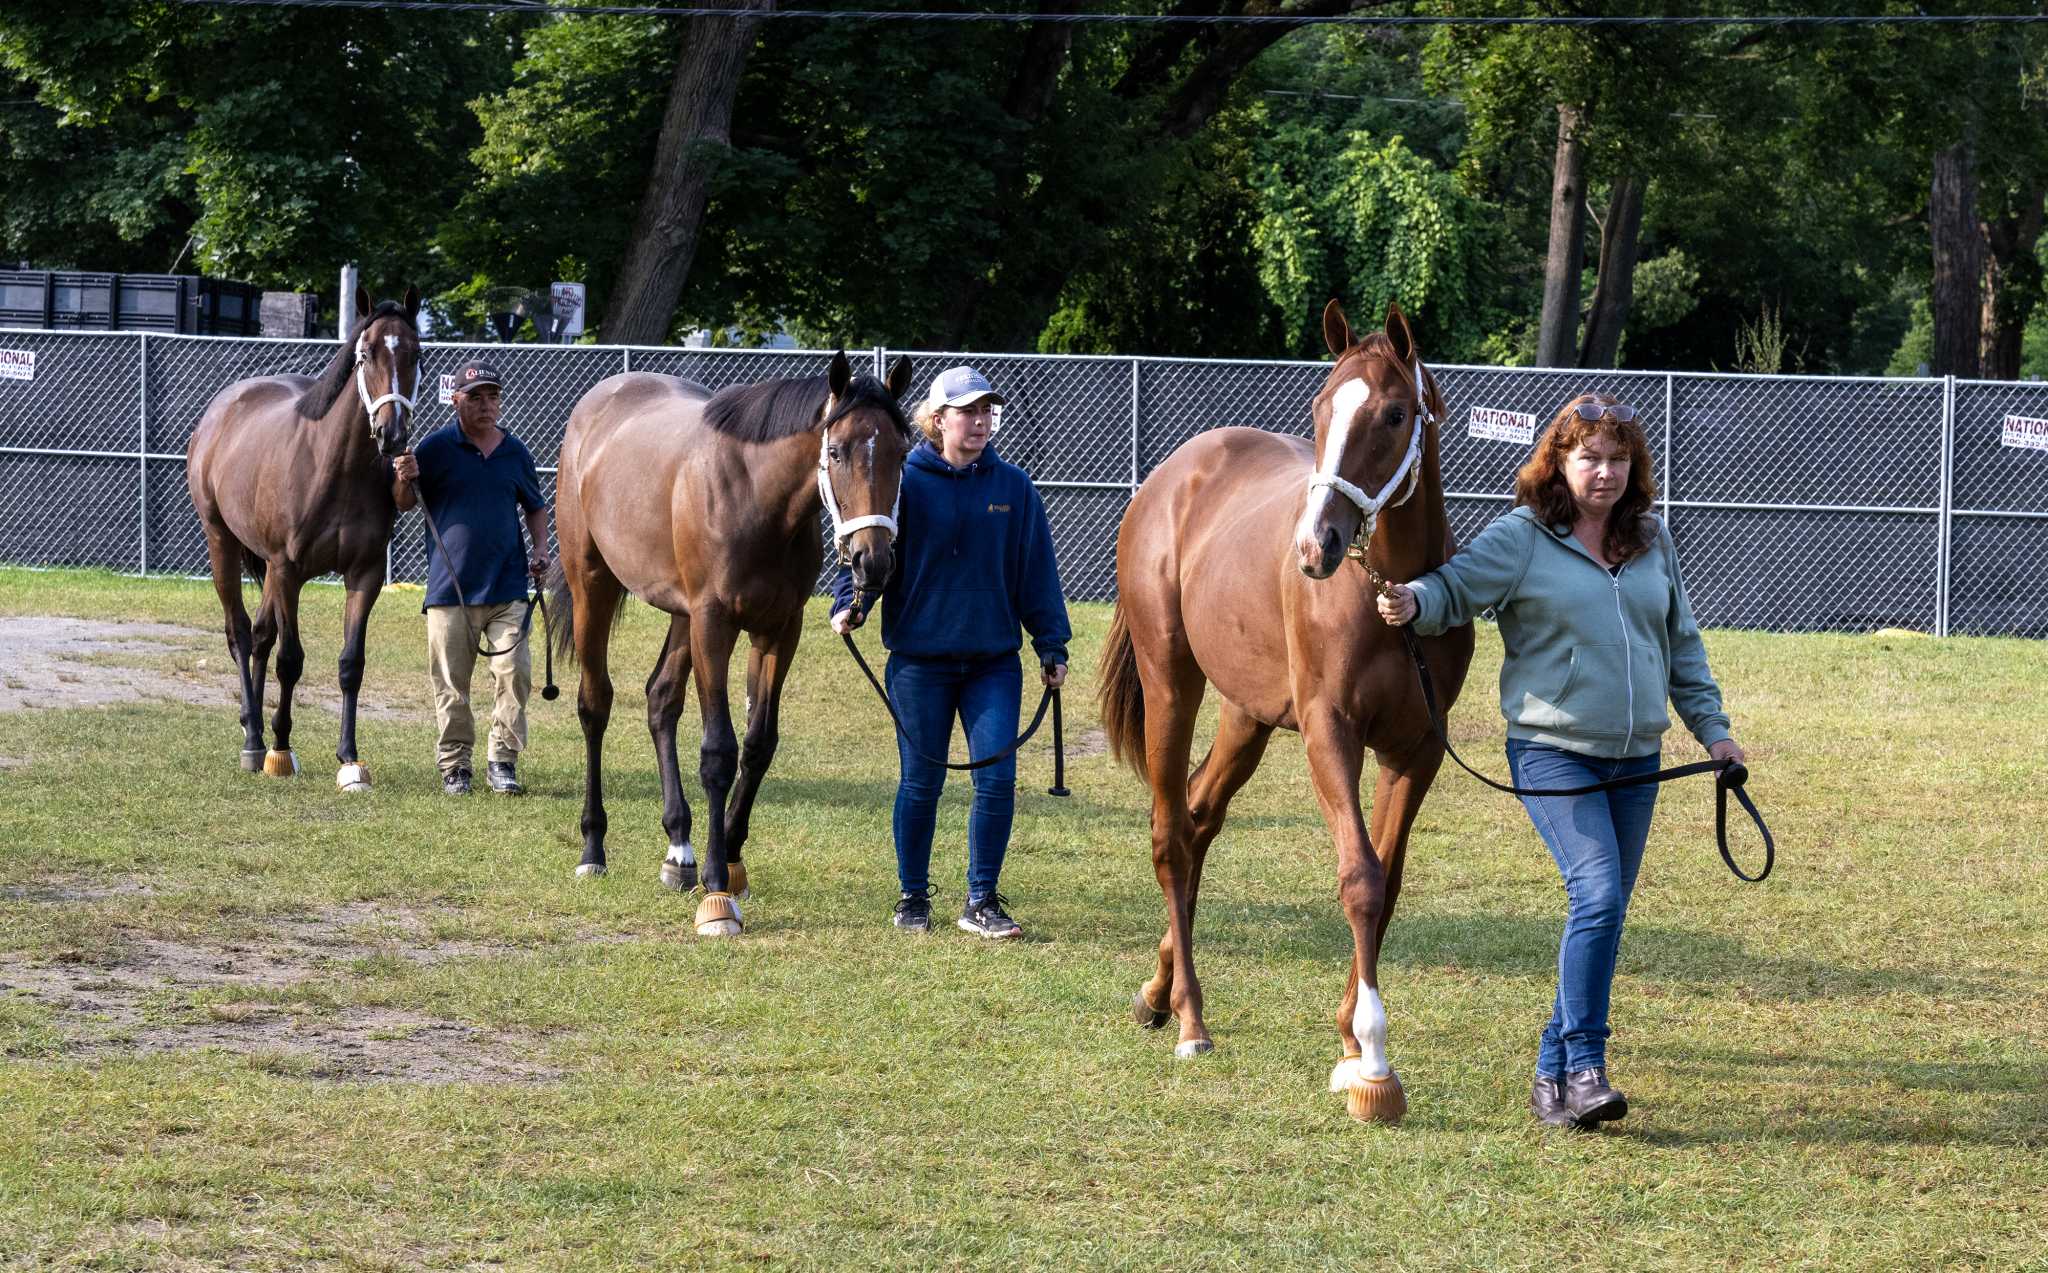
x: 1344, y: 408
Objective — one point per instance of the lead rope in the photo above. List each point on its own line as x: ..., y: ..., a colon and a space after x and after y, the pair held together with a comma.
x: 548, y: 690
x: 1729, y: 776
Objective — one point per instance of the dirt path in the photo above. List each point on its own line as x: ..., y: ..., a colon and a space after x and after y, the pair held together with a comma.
x: 52, y: 662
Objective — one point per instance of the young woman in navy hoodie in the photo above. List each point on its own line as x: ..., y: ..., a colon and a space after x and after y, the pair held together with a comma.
x: 974, y: 570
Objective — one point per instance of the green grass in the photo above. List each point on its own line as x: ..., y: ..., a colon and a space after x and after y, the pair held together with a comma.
x: 1842, y: 1068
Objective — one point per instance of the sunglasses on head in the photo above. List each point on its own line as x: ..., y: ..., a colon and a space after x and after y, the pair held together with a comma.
x: 1596, y: 410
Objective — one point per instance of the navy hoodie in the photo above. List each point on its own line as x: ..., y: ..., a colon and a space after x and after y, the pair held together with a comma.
x: 973, y: 561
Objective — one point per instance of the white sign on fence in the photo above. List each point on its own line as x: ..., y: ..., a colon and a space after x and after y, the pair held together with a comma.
x: 17, y: 364
x: 567, y: 301
x: 1492, y: 424
x: 447, y: 388
x: 2024, y: 431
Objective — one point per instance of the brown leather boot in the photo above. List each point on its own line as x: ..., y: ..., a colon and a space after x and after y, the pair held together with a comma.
x: 1590, y: 1099
x: 1546, y: 1102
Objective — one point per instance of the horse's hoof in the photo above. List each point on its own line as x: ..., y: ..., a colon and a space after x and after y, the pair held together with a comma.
x: 736, y: 880
x: 252, y: 760
x: 280, y: 764
x: 1146, y: 1015
x: 1187, y: 1048
x: 1376, y: 1100
x: 680, y: 876
x: 718, y: 916
x: 589, y: 870
x: 353, y: 777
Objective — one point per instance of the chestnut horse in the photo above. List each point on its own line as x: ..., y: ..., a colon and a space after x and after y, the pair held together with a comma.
x: 707, y: 507
x: 289, y: 478
x: 1228, y: 573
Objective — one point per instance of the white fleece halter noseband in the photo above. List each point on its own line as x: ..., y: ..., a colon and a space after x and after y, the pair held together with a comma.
x: 371, y: 404
x: 1344, y: 407
x: 843, y: 528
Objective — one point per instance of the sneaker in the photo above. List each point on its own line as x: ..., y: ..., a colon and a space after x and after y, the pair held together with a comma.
x: 986, y: 918
x: 504, y: 778
x: 914, y: 911
x: 455, y: 782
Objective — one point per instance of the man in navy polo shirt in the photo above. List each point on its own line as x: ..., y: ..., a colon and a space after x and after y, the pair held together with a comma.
x: 478, y: 482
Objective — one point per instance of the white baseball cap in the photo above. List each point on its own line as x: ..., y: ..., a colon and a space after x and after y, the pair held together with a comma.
x: 960, y: 387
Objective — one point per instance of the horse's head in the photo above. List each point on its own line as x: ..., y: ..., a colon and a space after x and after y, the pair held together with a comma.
x: 865, y: 438
x: 387, y: 366
x: 1370, y: 424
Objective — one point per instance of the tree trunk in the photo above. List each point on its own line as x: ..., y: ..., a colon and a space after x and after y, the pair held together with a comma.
x: 695, y: 136
x: 1958, y: 244
x: 2012, y: 283
x: 1032, y: 85
x: 1557, y: 336
x: 1615, y: 291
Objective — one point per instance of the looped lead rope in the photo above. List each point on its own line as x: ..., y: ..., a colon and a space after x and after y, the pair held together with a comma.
x: 1729, y: 776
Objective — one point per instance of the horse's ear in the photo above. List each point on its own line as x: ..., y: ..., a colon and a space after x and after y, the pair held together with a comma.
x: 1336, y: 328
x: 362, y: 304
x: 840, y: 376
x: 899, y: 376
x: 412, y: 305
x: 1399, y: 333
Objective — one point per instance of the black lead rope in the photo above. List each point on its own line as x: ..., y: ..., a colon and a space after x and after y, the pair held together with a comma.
x: 1729, y: 776
x: 1051, y: 698
x: 538, y: 601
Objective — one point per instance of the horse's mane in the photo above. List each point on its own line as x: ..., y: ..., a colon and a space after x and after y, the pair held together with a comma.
x: 781, y: 408
x: 319, y: 397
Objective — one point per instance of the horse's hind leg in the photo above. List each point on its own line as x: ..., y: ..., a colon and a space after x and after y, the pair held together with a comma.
x: 1336, y: 755
x: 666, y: 686
x: 1174, y: 687
x: 767, y: 668
x: 225, y: 555
x: 595, y: 592
x: 1233, y: 758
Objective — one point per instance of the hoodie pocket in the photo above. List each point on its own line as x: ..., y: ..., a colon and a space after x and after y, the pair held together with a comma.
x: 1594, y: 698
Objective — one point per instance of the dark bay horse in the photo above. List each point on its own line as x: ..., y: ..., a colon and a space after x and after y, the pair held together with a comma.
x: 288, y: 476
x: 706, y: 506
x: 1228, y: 573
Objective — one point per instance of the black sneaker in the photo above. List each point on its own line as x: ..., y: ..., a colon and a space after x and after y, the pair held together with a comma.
x: 914, y: 912
x: 503, y: 776
x: 455, y: 782
x: 986, y: 918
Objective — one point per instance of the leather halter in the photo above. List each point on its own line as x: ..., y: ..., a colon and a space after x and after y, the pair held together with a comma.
x: 1410, y: 471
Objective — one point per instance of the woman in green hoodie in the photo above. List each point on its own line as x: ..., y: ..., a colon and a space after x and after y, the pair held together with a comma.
x: 1584, y: 581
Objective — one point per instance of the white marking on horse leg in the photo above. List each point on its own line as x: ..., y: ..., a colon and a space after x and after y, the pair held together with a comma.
x: 353, y: 776
x: 682, y: 854
x: 1369, y: 1027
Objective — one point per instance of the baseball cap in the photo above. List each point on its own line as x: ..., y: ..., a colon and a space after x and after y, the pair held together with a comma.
x: 960, y: 386
x: 476, y: 372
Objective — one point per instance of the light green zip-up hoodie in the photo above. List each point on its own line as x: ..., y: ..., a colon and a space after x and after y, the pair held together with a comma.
x: 1591, y: 657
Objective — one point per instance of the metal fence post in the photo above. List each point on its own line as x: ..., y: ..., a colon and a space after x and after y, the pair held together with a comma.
x: 1665, y: 486
x: 1134, y: 428
x: 1944, y: 534
x: 142, y: 447
x: 881, y: 357
x: 626, y: 355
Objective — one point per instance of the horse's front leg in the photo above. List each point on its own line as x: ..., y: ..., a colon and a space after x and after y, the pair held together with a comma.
x: 1336, y: 755
x: 712, y: 636
x: 767, y: 668
x: 363, y: 586
x: 275, y: 621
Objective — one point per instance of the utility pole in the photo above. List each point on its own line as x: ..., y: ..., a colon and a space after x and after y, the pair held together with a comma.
x: 347, y: 307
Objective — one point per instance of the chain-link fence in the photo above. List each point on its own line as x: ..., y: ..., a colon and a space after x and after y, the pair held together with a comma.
x: 1798, y: 503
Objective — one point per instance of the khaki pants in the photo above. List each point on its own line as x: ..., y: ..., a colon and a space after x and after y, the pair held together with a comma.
x: 453, y: 635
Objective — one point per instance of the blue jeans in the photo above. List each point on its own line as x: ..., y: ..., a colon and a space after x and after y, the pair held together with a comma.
x: 929, y: 694
x: 1597, y: 841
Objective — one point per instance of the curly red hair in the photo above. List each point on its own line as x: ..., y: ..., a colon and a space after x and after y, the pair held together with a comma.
x: 1540, y: 483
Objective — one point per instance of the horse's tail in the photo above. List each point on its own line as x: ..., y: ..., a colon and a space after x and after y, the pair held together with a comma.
x: 561, y: 613
x: 1121, y: 695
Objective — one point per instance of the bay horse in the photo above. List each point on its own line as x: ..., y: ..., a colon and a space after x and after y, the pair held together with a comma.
x: 707, y: 506
x: 289, y: 477
x: 1227, y: 573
